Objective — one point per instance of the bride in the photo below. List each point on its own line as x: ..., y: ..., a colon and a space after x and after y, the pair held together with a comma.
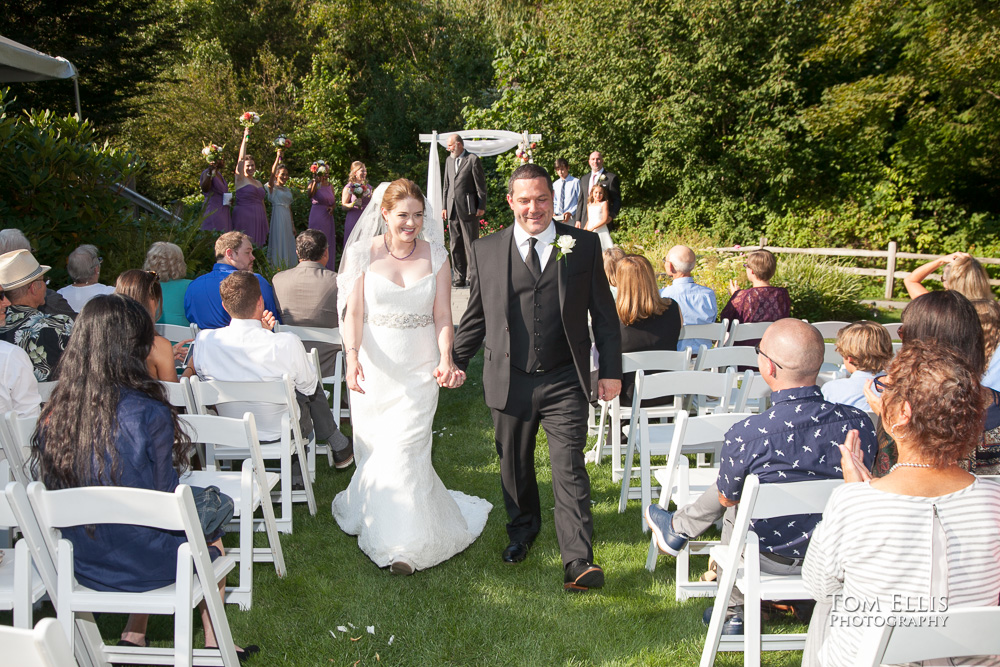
x: 394, y: 300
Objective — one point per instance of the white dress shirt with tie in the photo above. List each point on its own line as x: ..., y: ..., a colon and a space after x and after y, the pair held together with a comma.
x: 566, y: 196
x: 543, y: 247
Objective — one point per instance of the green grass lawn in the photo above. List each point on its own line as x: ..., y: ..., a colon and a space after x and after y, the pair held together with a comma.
x: 473, y: 609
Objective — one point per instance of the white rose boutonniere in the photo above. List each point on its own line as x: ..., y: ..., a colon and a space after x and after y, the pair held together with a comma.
x: 564, y: 245
x: 603, y: 179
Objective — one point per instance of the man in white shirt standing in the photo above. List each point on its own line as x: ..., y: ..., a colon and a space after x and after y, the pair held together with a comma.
x: 697, y: 302
x: 246, y: 351
x: 566, y: 195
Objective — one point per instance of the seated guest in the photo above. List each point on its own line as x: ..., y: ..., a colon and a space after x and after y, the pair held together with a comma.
x: 42, y: 336
x: 202, y: 303
x: 927, y: 530
x: 867, y: 349
x: 14, y: 239
x: 697, y: 302
x: 308, y: 292
x: 84, y: 267
x: 648, y: 321
x: 109, y: 424
x: 989, y: 318
x: 612, y: 256
x: 144, y: 287
x: 246, y: 351
x: 760, y: 302
x: 18, y: 386
x: 962, y: 273
x: 167, y: 261
x: 791, y: 442
x: 948, y: 319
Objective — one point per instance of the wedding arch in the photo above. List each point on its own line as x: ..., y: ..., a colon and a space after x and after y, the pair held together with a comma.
x: 483, y: 143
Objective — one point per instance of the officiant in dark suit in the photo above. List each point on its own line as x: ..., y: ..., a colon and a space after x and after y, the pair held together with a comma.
x: 464, y: 204
x: 598, y: 174
x: 533, y: 286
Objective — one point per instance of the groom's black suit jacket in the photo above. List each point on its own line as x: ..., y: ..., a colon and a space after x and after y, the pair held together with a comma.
x: 583, y: 288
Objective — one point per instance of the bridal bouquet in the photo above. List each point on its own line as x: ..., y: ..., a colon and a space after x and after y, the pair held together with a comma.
x: 281, y: 142
x: 319, y: 167
x: 212, y: 152
x: 249, y: 118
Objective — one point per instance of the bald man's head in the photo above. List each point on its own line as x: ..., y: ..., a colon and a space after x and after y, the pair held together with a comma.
x: 682, y: 259
x: 796, y: 347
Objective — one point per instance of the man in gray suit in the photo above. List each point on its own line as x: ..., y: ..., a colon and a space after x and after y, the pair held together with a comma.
x: 464, y: 204
x: 307, y: 293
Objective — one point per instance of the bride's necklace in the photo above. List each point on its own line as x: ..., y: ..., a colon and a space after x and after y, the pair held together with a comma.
x: 385, y: 240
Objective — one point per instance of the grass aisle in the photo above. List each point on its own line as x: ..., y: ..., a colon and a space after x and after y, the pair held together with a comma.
x: 473, y: 609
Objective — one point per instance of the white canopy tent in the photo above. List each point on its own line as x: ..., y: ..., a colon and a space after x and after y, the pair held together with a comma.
x: 483, y: 143
x: 22, y: 63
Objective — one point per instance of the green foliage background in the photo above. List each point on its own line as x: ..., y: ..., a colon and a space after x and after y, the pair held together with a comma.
x: 830, y: 122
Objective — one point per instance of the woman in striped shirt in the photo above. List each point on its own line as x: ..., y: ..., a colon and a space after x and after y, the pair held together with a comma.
x: 923, y: 538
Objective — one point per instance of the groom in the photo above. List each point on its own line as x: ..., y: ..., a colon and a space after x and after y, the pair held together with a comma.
x: 531, y: 307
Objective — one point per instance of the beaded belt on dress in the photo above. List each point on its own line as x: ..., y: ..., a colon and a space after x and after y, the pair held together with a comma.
x: 399, y: 320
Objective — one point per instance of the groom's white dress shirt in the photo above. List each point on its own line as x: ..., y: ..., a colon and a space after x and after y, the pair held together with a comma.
x: 245, y: 351
x: 543, y: 247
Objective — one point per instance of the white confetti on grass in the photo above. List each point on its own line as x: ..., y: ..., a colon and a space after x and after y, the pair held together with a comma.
x: 392, y: 637
x: 370, y: 629
x: 341, y: 628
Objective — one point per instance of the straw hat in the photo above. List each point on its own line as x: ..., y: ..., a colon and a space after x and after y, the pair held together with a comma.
x: 19, y: 268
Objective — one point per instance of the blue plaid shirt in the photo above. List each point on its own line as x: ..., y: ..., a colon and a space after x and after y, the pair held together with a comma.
x: 796, y: 440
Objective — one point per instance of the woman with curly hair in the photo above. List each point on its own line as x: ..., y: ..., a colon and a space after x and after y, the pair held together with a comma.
x: 928, y: 529
x: 166, y: 260
x: 108, y: 423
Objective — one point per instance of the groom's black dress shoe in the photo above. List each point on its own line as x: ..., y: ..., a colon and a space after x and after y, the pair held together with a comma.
x: 581, y: 576
x: 516, y: 552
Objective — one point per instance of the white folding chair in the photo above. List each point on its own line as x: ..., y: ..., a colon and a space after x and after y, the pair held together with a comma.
x: 833, y: 365
x: 721, y: 358
x: 15, y: 440
x: 20, y: 583
x: 214, y: 393
x: 659, y: 385
x: 714, y: 332
x: 45, y: 390
x: 830, y: 328
x: 739, y: 331
x: 649, y: 361
x: 43, y: 646
x: 250, y: 488
x: 740, y: 565
x: 197, y: 577
x: 683, y: 484
x: 894, y: 330
x: 957, y: 633
x: 175, y: 333
x: 325, y: 448
x: 179, y: 394
x: 331, y: 337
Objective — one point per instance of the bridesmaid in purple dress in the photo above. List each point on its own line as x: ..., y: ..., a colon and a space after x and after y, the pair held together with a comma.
x: 324, y: 203
x: 215, y: 216
x: 249, y: 215
x: 357, y: 193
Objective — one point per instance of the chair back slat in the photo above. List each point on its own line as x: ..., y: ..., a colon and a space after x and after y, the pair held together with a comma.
x: 105, y: 504
x: 740, y: 331
x: 715, y: 358
x: 313, y: 334
x: 683, y: 383
x: 15, y: 439
x: 44, y: 646
x: 830, y: 328
x: 45, y: 390
x: 179, y: 393
x: 774, y: 500
x: 656, y: 360
x: 894, y: 330
x: 715, y: 332
x: 175, y: 333
x: 955, y: 633
x: 220, y: 431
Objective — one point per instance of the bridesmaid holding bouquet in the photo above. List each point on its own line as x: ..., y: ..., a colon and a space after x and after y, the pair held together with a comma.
x: 215, y: 215
x: 249, y: 215
x: 357, y: 193
x: 323, y: 205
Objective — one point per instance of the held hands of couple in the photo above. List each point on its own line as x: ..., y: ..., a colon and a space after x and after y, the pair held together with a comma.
x: 448, y: 375
x: 354, y: 372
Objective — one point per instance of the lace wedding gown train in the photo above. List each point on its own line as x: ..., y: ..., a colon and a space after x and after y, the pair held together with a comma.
x: 396, y: 504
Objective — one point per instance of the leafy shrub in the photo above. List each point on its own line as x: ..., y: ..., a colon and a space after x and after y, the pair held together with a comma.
x: 819, y: 291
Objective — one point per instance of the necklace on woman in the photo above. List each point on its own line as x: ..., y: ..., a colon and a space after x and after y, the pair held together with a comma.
x: 910, y: 465
x: 385, y: 240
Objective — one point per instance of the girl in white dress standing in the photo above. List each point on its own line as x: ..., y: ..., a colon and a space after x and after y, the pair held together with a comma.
x: 599, y: 214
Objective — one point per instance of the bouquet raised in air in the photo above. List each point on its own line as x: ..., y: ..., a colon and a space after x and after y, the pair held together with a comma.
x: 212, y: 152
x: 281, y: 142
x: 249, y: 118
x: 319, y: 167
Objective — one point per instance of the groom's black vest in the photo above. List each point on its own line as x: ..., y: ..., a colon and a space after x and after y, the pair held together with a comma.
x: 537, y: 338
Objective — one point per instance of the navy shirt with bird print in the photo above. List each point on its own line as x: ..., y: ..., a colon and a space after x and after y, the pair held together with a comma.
x: 796, y: 440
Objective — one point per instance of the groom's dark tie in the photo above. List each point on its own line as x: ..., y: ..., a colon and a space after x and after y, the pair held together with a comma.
x: 534, y: 264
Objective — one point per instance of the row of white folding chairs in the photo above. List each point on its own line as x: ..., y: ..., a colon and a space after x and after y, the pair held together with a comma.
x: 40, y: 514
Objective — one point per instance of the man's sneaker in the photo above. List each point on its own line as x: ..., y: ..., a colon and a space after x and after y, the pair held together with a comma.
x: 343, y: 458
x: 733, y: 625
x: 668, y: 540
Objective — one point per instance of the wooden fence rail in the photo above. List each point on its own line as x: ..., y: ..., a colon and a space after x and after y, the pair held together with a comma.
x: 890, y: 255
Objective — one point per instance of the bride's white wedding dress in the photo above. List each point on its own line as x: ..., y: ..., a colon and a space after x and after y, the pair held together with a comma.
x: 396, y: 504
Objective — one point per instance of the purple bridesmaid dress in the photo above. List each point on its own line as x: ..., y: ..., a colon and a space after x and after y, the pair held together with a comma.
x: 249, y: 215
x: 320, y: 218
x: 352, y: 215
x: 215, y: 216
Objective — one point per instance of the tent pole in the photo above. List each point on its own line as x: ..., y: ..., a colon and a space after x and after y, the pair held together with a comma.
x: 76, y: 93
